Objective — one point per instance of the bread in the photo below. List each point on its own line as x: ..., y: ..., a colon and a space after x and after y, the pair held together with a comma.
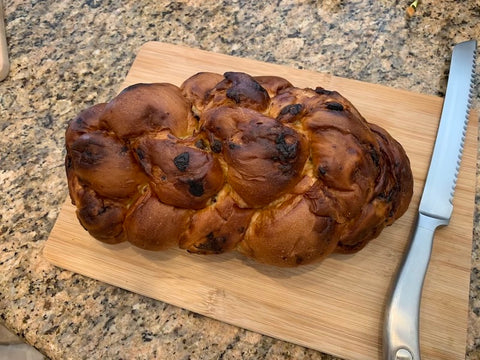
x: 283, y: 175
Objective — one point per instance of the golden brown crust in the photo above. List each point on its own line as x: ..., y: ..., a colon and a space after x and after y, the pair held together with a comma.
x: 106, y: 165
x: 265, y: 158
x: 196, y: 89
x: 284, y: 175
x: 217, y: 228
x: 180, y: 174
x: 289, y: 235
x: 146, y: 108
x: 153, y: 225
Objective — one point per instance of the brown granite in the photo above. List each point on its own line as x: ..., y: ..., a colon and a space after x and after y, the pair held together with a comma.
x: 67, y: 55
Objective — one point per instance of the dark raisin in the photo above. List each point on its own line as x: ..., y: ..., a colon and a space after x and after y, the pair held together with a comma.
x: 216, y: 146
x: 321, y: 91
x: 293, y: 109
x: 232, y: 145
x: 200, y: 144
x: 287, y: 151
x: 387, y: 196
x: 195, y: 187
x: 334, y: 106
x: 322, y: 171
x: 213, y: 243
x: 181, y: 161
x: 140, y: 153
x: 375, y: 157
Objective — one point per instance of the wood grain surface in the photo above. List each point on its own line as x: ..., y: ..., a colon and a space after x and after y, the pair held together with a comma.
x: 335, y: 306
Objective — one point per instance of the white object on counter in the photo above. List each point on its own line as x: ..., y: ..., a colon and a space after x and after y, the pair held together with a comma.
x: 4, y: 64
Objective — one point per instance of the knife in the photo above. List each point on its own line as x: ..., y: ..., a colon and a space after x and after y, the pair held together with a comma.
x: 400, y: 333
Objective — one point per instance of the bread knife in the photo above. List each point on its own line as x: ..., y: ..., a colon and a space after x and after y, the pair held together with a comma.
x: 401, y: 322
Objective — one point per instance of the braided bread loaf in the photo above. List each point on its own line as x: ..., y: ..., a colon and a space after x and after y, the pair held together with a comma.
x: 284, y: 175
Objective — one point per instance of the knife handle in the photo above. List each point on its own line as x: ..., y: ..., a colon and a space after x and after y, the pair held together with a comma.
x: 401, y: 335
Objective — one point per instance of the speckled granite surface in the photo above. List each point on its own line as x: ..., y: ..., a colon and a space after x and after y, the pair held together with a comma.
x: 67, y: 55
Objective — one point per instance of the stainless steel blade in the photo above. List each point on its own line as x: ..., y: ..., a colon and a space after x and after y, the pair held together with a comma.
x: 442, y: 175
x: 401, y: 326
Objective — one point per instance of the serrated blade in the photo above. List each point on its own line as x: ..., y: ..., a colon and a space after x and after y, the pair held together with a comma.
x: 442, y: 175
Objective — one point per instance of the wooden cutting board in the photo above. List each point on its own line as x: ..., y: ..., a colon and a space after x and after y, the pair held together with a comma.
x: 335, y: 306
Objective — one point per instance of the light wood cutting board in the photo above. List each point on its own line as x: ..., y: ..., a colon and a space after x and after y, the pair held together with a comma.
x: 335, y: 306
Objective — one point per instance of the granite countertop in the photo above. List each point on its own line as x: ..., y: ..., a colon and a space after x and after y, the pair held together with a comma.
x: 67, y: 55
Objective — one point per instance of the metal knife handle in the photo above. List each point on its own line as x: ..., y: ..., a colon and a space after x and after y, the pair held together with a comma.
x: 402, y: 312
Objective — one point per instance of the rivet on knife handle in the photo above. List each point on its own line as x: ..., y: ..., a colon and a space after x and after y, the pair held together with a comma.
x: 401, y: 326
